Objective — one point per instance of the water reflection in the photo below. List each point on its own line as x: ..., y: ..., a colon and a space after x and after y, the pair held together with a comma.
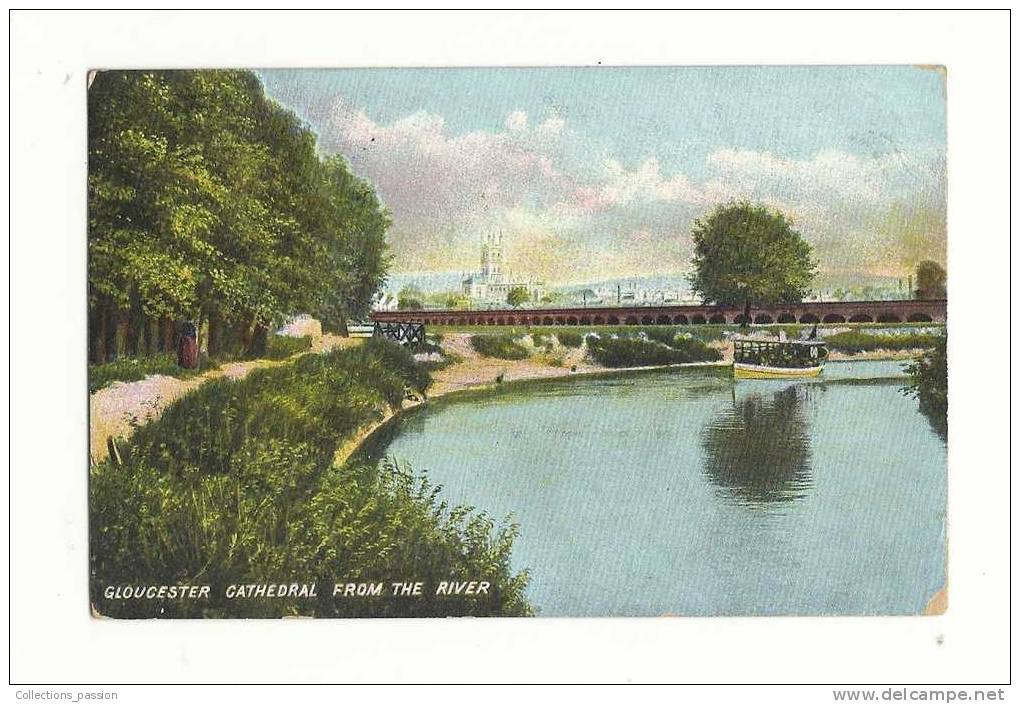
x: 758, y: 452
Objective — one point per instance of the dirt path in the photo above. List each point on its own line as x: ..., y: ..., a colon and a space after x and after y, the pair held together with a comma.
x: 114, y: 410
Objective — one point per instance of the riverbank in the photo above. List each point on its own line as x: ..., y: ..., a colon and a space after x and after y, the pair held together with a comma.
x: 118, y: 408
x: 237, y: 483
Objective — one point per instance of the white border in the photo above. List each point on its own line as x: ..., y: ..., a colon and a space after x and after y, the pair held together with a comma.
x: 54, y: 639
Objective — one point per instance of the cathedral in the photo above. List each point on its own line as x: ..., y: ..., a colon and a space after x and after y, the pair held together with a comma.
x: 494, y: 282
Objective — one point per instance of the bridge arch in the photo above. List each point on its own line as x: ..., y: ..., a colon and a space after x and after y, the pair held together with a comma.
x: 888, y: 318
x: 698, y: 319
x: 809, y: 318
x: 786, y: 318
x: 919, y: 318
x: 861, y: 318
x: 612, y: 320
x: 646, y: 320
x: 631, y: 320
x: 662, y: 320
x: 762, y: 319
x: 597, y: 320
x: 680, y: 320
x: 833, y: 318
x: 739, y: 319
x: 571, y: 320
x: 585, y: 320
x: 718, y: 319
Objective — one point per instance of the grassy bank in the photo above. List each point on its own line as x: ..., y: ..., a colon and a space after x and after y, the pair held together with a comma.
x: 236, y: 484
x: 137, y: 368
x: 862, y: 341
x: 622, y: 347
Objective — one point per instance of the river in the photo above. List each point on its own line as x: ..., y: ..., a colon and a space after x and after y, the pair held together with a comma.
x: 684, y: 492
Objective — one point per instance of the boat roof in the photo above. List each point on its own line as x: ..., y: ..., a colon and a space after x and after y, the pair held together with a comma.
x: 776, y: 341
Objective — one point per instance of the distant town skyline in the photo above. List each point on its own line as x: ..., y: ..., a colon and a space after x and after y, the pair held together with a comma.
x: 599, y: 173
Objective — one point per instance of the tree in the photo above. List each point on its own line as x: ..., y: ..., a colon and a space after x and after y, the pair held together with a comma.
x: 209, y: 202
x: 746, y: 254
x: 931, y: 281
x: 409, y: 298
x: 518, y: 296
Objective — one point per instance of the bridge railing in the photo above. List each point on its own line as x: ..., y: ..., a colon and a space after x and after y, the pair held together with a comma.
x: 403, y: 332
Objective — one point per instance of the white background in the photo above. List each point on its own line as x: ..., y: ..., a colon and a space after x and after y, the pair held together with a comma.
x: 54, y: 640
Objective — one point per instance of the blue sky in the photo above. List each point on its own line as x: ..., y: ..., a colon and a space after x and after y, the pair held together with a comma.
x: 614, y: 164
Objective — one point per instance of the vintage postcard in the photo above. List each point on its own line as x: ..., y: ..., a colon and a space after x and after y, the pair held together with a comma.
x: 555, y: 342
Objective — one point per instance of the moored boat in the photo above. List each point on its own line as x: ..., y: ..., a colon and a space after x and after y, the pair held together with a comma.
x: 777, y: 358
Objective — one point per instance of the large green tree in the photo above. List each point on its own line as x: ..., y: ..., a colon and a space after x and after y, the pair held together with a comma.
x: 931, y: 281
x: 748, y: 254
x: 208, y: 201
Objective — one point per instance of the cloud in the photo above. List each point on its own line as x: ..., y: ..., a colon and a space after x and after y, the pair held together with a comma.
x: 585, y: 216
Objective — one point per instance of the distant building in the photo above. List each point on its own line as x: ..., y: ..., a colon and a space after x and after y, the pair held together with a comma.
x: 494, y: 282
x: 385, y: 301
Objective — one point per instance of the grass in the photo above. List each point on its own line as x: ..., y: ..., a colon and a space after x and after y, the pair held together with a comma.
x: 499, y: 346
x: 235, y: 483
x: 137, y: 368
x: 283, y: 346
x: 857, y: 341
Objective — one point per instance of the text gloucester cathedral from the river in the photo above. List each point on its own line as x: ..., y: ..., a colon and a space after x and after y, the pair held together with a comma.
x: 494, y: 282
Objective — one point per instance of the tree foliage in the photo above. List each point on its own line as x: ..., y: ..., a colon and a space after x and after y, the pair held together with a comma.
x: 746, y: 253
x: 208, y: 202
x: 929, y: 382
x: 931, y: 281
x: 518, y: 296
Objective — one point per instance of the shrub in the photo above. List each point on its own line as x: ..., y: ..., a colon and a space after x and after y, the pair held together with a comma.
x: 663, y: 335
x: 283, y: 346
x: 929, y: 382
x: 499, y: 346
x: 570, y: 338
x: 236, y: 484
x: 632, y: 352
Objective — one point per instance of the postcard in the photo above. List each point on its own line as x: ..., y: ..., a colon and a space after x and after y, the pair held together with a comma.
x: 548, y: 342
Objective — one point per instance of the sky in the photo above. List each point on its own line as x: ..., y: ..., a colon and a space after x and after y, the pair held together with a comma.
x: 600, y: 172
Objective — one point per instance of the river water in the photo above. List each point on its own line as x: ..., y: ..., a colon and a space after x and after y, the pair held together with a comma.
x: 684, y: 492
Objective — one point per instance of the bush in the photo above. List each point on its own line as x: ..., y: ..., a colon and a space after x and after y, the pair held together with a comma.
x: 634, y: 352
x: 570, y: 338
x: 137, y: 368
x: 854, y: 341
x: 283, y: 346
x: 499, y: 346
x: 663, y: 335
x: 236, y: 484
x: 929, y: 382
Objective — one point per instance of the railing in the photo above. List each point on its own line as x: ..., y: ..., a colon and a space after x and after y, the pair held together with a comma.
x: 404, y: 332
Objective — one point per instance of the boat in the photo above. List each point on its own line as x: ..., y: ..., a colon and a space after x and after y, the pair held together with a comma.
x: 758, y: 357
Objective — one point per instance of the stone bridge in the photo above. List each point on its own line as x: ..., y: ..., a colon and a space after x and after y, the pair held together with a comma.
x: 933, y: 311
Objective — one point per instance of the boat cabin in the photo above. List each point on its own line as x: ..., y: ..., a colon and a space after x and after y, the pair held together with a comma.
x: 789, y: 354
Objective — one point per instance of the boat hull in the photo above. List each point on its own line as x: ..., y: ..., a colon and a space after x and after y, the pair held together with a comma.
x: 756, y: 371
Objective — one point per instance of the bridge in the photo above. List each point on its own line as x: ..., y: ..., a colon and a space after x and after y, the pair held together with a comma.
x: 930, y: 311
